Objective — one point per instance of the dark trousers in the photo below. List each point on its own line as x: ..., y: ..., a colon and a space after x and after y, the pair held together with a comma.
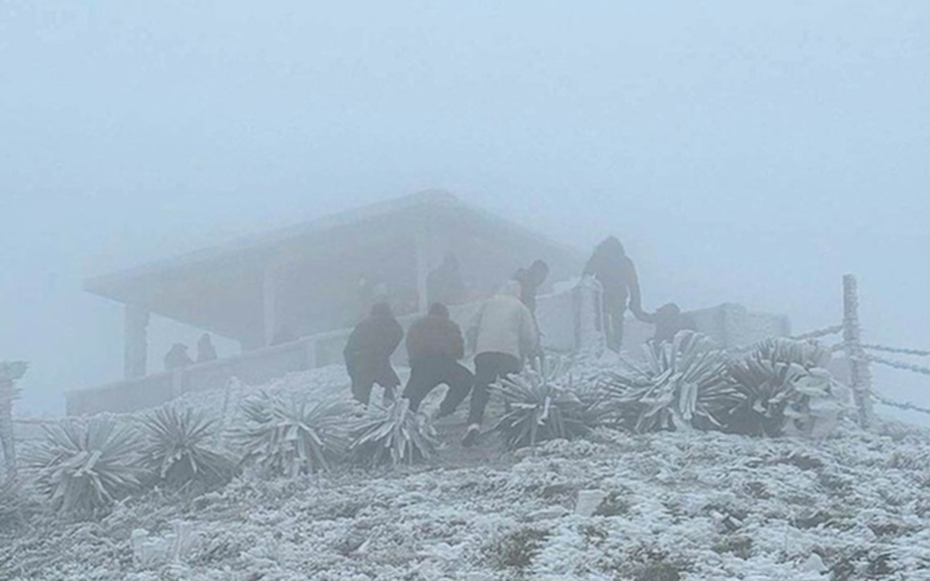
x: 489, y: 367
x: 428, y: 372
x: 614, y: 310
x: 365, y: 375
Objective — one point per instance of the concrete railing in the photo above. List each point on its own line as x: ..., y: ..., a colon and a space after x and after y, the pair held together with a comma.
x: 569, y: 320
x: 262, y: 365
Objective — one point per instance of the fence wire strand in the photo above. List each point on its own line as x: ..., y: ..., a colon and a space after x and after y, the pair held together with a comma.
x: 898, y: 350
x: 901, y: 406
x: 898, y: 364
x: 819, y: 333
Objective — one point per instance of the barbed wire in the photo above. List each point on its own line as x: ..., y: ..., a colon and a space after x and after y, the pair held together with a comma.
x: 819, y: 333
x: 899, y: 350
x: 897, y: 364
x: 902, y: 406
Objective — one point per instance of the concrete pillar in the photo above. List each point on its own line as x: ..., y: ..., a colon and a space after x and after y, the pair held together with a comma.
x: 135, y: 337
x: 270, y: 304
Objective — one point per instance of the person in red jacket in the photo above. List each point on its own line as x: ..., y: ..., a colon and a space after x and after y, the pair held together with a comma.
x: 368, y: 353
x: 434, y: 346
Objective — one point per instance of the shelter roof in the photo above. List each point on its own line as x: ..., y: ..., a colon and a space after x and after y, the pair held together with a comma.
x: 219, y: 289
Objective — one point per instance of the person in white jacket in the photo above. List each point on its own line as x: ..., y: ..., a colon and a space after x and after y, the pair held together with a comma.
x: 503, y: 334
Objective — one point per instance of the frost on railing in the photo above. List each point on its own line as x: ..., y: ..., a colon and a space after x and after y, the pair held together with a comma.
x: 898, y: 364
x: 857, y: 353
x: 908, y: 406
x: 898, y: 350
x: 819, y: 333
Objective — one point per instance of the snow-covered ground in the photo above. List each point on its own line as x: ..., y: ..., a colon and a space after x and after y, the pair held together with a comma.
x: 690, y: 506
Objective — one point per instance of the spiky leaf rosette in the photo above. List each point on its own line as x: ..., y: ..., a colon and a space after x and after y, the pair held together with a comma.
x: 292, y: 437
x: 539, y: 410
x: 680, y: 384
x: 177, y: 449
x: 16, y: 503
x: 778, y: 381
x: 394, y: 435
x: 10, y: 373
x: 84, y: 467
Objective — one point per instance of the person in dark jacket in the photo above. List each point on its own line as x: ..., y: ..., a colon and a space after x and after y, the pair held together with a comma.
x: 368, y: 353
x: 530, y: 280
x: 434, y: 346
x: 610, y: 265
x: 668, y: 320
x: 205, y: 349
x: 177, y: 357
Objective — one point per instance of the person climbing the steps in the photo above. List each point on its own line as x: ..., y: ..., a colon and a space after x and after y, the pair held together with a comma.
x: 368, y: 354
x: 503, y: 334
x: 616, y: 273
x: 435, y: 346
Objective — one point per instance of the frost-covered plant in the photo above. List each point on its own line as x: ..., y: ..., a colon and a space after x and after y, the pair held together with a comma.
x: 177, y: 449
x: 394, y: 435
x: 84, y: 467
x: 516, y: 550
x: 538, y: 409
x: 10, y: 373
x: 16, y: 504
x: 680, y: 384
x: 779, y: 381
x: 292, y: 437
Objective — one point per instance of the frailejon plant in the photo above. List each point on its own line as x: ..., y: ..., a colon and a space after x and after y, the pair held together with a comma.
x: 290, y: 437
x: 538, y: 409
x: 84, y: 467
x: 10, y: 373
x: 680, y: 384
x: 177, y: 449
x: 783, y: 384
x: 16, y: 504
x: 393, y: 435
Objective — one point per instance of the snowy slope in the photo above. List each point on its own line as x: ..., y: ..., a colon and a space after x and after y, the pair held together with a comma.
x: 679, y: 506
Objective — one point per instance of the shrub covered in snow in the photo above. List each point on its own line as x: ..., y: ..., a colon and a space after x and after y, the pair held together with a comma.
x: 177, y: 449
x: 679, y: 384
x: 393, y: 435
x: 292, y: 437
x: 84, y: 467
x: 16, y: 503
x: 783, y: 384
x: 539, y: 409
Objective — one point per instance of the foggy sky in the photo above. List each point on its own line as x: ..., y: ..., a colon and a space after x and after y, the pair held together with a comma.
x: 743, y: 152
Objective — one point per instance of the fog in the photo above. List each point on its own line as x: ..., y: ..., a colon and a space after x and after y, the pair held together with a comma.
x: 743, y: 153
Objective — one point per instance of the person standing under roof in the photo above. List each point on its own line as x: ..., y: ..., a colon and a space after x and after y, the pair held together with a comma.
x: 177, y: 357
x: 205, y: 349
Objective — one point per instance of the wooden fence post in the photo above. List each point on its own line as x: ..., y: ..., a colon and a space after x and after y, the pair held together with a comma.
x: 860, y: 375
